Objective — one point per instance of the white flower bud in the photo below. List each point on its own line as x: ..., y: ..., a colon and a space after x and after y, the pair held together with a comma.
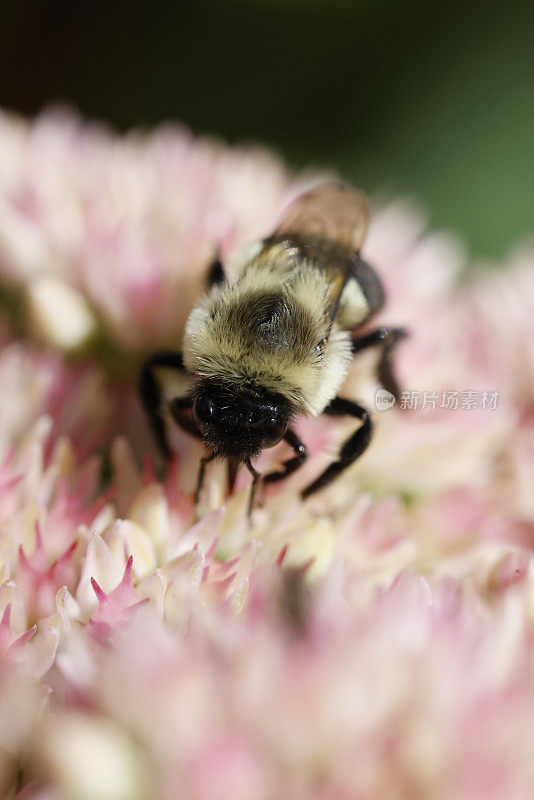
x: 92, y: 759
x: 58, y: 314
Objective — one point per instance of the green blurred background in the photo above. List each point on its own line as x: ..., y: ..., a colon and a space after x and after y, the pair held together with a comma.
x: 433, y: 100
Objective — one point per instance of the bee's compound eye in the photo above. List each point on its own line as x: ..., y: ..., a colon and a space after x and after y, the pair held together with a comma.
x: 203, y: 410
x: 274, y: 431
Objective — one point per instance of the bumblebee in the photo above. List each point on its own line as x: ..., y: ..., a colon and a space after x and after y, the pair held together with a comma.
x: 277, y: 342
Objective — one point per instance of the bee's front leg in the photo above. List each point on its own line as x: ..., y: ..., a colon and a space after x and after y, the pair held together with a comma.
x: 256, y: 477
x: 201, y: 473
x: 352, y: 449
x: 292, y: 464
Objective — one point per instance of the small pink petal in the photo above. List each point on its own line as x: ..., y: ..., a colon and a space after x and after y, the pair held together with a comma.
x: 23, y: 639
x: 282, y: 555
x: 6, y: 636
x: 101, y: 595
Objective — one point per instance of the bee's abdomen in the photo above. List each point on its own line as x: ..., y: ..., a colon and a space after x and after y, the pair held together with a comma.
x: 362, y: 296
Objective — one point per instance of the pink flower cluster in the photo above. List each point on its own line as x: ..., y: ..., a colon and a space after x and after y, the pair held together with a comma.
x: 376, y: 641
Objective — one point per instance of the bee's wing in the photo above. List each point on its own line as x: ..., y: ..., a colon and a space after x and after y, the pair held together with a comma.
x: 332, y: 211
x: 335, y: 217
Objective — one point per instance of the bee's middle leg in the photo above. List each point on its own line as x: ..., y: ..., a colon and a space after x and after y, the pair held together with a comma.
x: 216, y: 273
x: 351, y: 449
x: 387, y: 339
x: 152, y: 397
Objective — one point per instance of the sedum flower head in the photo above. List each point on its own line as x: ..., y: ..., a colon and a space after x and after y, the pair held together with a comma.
x: 375, y: 641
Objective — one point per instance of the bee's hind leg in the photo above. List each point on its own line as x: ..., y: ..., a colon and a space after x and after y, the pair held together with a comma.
x: 387, y: 338
x: 352, y: 449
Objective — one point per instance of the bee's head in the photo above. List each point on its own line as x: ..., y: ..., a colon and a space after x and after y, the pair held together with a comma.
x: 239, y: 421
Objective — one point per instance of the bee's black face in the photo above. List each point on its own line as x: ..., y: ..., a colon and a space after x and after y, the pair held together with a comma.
x: 239, y: 422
